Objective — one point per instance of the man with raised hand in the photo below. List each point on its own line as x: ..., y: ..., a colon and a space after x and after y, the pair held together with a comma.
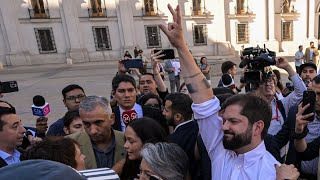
x: 233, y: 136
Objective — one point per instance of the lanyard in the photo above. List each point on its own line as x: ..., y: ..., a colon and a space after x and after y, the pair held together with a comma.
x: 277, y: 114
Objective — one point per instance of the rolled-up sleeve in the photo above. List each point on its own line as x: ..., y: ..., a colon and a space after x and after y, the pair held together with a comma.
x: 296, y: 96
x: 210, y: 123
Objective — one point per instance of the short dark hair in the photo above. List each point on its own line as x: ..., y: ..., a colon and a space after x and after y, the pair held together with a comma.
x: 201, y: 59
x: 311, y: 42
x: 316, y: 79
x: 181, y: 103
x: 253, y: 107
x: 54, y: 148
x: 150, y: 74
x: 70, y: 116
x: 70, y: 88
x: 144, y: 98
x: 122, y: 78
x: 148, y: 130
x: 300, y: 46
x: 5, y: 111
x: 225, y: 66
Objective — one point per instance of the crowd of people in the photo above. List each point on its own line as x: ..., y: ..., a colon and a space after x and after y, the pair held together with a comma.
x: 193, y: 132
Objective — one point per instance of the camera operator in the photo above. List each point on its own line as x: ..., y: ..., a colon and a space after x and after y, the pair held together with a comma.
x: 280, y: 108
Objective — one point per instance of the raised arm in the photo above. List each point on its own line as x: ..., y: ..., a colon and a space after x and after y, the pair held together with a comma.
x: 156, y: 70
x: 198, y: 86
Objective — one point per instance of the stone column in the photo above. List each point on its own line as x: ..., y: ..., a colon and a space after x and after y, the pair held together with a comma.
x: 125, y: 23
x: 311, y: 19
x: 74, y: 40
x: 271, y: 20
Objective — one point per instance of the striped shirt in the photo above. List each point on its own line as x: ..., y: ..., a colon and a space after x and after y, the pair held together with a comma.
x: 100, y: 174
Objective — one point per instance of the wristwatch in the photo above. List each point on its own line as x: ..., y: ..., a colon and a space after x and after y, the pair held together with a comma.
x: 239, y: 90
x: 301, y: 135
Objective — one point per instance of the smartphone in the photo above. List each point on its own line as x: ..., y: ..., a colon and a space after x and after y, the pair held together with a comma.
x: 309, y: 97
x: 9, y: 86
x: 168, y: 53
x: 133, y: 63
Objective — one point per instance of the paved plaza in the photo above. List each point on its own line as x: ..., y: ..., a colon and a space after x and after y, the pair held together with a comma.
x: 49, y: 80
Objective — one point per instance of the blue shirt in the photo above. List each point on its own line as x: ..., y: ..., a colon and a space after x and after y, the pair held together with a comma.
x: 10, y: 159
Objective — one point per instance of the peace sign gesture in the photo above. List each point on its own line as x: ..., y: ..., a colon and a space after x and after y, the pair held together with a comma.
x: 174, y: 31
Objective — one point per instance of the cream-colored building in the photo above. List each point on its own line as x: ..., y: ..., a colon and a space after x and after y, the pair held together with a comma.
x: 51, y: 31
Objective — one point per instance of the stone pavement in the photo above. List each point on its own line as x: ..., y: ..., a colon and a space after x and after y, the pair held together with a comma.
x: 49, y: 80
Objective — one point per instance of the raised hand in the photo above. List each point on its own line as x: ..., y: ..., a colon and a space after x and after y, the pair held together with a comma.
x: 283, y: 63
x: 287, y: 172
x: 155, y: 61
x: 300, y: 119
x: 174, y: 30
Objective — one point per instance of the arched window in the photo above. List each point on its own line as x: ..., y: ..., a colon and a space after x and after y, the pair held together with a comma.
x: 149, y: 7
x: 197, y: 7
x: 96, y: 8
x: 38, y: 9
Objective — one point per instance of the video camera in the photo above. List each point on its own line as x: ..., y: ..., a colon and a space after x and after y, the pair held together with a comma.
x: 256, y: 59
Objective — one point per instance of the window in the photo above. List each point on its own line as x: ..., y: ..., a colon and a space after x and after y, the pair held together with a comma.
x: 96, y: 8
x: 45, y: 40
x: 242, y: 33
x: 287, y: 31
x: 200, y: 34
x: 197, y: 7
x: 38, y: 9
x: 149, y: 7
x: 153, y: 36
x: 101, y: 38
x: 286, y: 6
x: 240, y: 7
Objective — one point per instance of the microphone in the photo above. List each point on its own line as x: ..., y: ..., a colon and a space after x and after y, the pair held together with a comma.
x: 128, y: 116
x: 227, y: 81
x: 40, y: 107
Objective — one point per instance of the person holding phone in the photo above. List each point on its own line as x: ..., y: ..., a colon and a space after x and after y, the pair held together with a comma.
x: 308, y: 132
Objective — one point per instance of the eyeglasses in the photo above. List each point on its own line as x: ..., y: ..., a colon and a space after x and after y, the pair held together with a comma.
x: 74, y: 98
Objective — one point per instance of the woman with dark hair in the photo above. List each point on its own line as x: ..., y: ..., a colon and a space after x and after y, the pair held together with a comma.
x: 57, y: 148
x: 279, y: 85
x: 139, y: 132
x: 151, y: 100
x: 205, y: 68
x: 183, y: 89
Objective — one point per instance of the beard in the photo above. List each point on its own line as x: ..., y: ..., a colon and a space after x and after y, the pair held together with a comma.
x: 238, y: 140
x: 171, y: 122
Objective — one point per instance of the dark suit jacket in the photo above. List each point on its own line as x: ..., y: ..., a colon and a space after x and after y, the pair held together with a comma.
x: 186, y: 137
x: 150, y: 112
x: 2, y: 163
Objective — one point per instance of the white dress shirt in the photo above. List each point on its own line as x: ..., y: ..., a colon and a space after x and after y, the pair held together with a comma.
x: 226, y: 164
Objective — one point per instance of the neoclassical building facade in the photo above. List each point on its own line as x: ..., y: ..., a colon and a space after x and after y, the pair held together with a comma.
x: 51, y: 31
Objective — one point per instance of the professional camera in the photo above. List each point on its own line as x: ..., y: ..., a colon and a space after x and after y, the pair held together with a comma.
x: 257, y: 59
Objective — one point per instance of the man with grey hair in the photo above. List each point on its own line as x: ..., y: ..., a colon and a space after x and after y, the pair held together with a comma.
x: 102, y: 146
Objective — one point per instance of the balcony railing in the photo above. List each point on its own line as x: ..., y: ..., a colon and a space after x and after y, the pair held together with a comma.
x: 242, y: 10
x: 39, y: 13
x: 202, y: 11
x: 97, y: 12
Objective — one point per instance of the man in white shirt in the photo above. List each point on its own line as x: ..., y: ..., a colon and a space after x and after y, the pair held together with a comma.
x: 235, y: 141
x: 299, y: 58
